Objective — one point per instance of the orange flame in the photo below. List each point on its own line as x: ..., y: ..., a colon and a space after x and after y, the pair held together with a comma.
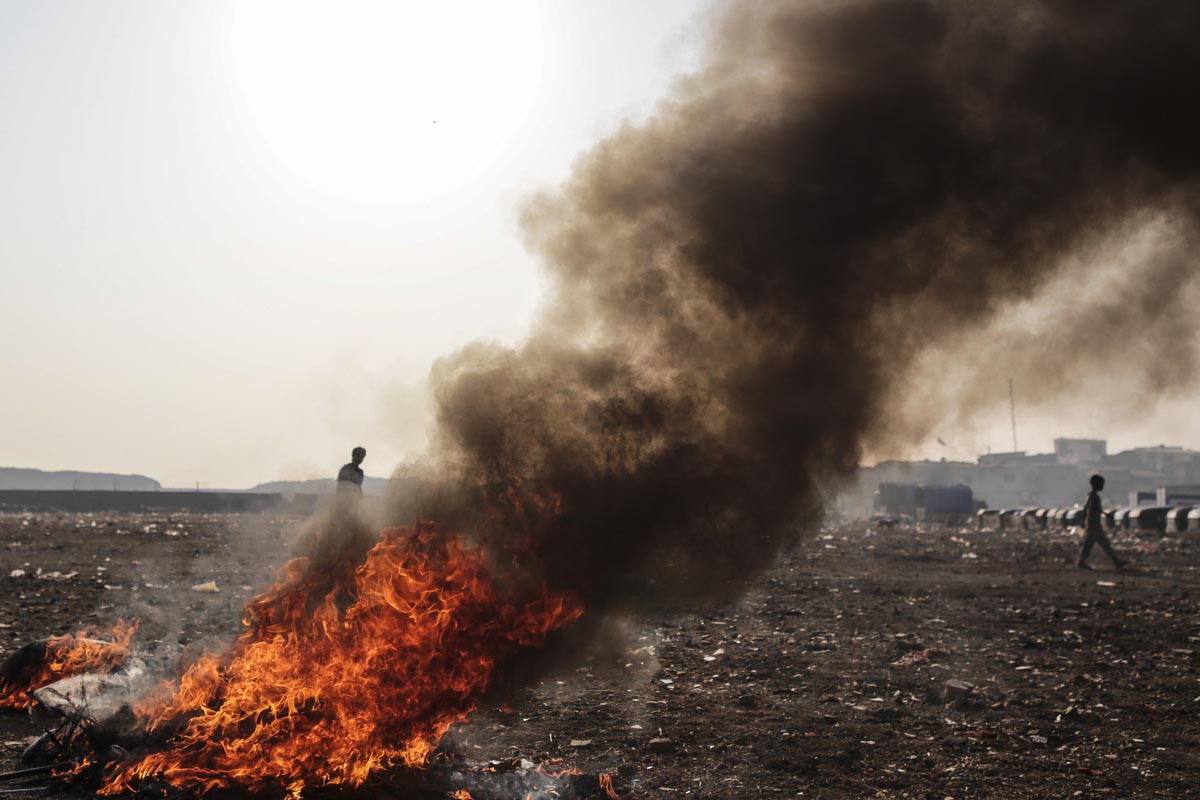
x: 62, y: 657
x: 367, y: 674
x: 606, y: 783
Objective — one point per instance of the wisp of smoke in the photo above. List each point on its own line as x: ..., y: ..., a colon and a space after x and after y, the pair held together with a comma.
x: 741, y: 282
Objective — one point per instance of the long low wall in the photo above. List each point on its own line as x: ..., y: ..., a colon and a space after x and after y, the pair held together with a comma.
x: 29, y: 500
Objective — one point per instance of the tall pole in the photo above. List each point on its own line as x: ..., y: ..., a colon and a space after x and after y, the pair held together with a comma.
x: 1012, y: 410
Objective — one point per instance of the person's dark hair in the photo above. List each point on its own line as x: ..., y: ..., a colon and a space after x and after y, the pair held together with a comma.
x: 1097, y: 482
x: 358, y: 453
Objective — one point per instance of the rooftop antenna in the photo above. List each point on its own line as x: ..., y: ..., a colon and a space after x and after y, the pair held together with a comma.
x: 1012, y: 410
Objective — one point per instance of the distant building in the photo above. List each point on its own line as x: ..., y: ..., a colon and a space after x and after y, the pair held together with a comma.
x: 1002, y: 459
x: 1058, y: 479
x: 1080, y: 451
x: 1177, y: 465
x: 1187, y: 494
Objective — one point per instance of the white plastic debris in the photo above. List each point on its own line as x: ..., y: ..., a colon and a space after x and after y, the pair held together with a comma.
x: 95, y: 696
x: 207, y: 586
x: 57, y: 576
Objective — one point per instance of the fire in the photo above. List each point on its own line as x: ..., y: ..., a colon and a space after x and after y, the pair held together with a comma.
x: 606, y: 783
x: 343, y: 671
x: 43, y: 663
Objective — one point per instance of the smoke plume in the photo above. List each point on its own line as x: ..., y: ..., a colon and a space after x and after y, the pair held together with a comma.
x: 743, y: 282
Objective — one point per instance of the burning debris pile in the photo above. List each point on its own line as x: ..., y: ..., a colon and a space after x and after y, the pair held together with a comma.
x: 339, y: 673
x: 334, y: 679
x: 39, y: 664
x: 740, y: 285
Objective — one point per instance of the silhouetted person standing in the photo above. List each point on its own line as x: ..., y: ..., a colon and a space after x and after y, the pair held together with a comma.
x: 1093, y: 529
x: 350, y: 477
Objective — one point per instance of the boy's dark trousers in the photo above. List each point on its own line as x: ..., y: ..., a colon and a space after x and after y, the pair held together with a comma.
x: 1093, y: 537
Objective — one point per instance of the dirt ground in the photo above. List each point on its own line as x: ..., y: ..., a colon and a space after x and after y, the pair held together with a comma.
x: 828, y: 680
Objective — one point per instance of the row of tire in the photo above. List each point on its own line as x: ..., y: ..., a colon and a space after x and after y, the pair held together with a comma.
x: 1163, y: 519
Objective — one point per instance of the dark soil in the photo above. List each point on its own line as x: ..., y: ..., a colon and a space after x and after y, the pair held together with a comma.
x: 828, y: 680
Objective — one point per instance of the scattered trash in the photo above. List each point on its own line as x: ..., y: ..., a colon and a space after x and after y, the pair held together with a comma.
x: 920, y: 656
x: 580, y: 742
x: 208, y: 586
x: 56, y: 575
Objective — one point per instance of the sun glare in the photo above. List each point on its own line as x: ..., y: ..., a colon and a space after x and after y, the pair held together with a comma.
x: 388, y: 103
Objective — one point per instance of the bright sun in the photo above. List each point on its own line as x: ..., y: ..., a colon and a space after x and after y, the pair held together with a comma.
x: 380, y: 103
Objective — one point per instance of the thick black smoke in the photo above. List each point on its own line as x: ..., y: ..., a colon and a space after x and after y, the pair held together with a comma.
x: 741, y: 281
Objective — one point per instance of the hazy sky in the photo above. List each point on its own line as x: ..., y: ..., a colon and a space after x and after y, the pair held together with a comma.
x: 234, y: 235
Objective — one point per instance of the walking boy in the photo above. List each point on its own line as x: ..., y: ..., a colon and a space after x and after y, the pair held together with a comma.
x: 1094, y: 531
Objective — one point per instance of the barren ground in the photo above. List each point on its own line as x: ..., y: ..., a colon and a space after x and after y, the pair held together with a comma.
x: 827, y: 680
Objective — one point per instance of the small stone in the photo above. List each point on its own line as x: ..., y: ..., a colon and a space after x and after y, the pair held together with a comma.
x: 954, y: 690
x: 661, y: 744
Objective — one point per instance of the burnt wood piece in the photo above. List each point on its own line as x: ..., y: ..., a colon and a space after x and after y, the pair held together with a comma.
x: 26, y: 662
x: 20, y: 668
x: 28, y: 772
x: 26, y: 790
x: 56, y: 745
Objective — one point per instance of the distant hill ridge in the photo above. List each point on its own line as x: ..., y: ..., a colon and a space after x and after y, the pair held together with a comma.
x: 40, y: 480
x: 20, y: 478
x: 317, y: 486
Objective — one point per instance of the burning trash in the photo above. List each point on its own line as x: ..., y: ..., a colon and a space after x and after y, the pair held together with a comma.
x: 41, y: 663
x: 336, y: 676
